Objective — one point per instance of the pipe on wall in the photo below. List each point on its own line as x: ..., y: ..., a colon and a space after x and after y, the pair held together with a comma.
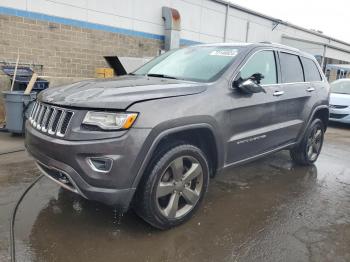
x: 247, y: 32
x: 172, y: 27
x: 226, y: 22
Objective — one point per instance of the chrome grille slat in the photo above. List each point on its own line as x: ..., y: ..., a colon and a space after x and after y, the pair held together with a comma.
x: 45, y: 128
x: 50, y: 119
x: 59, y: 124
x: 37, y: 115
x: 53, y: 117
x: 45, y: 119
x: 33, y: 110
x: 56, y: 120
x: 36, y: 112
x: 41, y: 116
x: 65, y: 122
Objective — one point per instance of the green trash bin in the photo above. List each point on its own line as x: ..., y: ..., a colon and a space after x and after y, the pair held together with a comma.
x: 18, y: 107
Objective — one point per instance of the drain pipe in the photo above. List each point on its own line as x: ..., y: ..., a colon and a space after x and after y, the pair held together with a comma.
x: 226, y: 22
x: 247, y: 32
x: 172, y: 27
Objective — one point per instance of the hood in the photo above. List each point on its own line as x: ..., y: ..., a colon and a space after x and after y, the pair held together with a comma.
x: 118, y: 93
x: 339, y: 99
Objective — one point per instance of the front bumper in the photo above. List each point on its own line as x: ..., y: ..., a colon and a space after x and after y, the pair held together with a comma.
x: 66, y: 162
x: 340, y: 115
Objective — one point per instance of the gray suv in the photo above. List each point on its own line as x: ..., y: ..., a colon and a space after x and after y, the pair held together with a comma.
x: 153, y: 138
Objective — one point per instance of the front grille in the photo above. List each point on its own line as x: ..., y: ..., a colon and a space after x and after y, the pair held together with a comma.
x: 338, y: 106
x: 50, y: 119
x: 337, y: 116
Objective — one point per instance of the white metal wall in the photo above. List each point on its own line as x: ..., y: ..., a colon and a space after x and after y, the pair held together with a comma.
x: 201, y: 20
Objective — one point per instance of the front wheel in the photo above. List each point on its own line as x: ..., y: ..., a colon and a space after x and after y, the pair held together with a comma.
x: 307, y: 152
x: 176, y: 184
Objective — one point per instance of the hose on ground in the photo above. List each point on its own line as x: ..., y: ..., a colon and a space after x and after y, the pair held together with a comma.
x: 13, y: 217
x: 13, y: 151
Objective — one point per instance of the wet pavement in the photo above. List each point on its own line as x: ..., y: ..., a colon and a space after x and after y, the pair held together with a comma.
x: 268, y: 210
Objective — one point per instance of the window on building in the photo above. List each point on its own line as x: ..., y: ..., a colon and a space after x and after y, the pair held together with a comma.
x: 291, y: 68
x: 310, y: 70
x: 263, y: 62
x: 328, y: 74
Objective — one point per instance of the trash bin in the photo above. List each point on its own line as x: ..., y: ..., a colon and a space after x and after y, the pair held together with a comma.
x: 18, y: 107
x: 23, y: 76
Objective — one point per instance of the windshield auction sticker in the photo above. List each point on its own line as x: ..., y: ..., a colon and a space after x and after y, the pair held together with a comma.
x: 225, y: 52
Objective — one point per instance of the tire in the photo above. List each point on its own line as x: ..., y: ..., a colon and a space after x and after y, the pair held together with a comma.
x: 307, y: 152
x: 177, y: 174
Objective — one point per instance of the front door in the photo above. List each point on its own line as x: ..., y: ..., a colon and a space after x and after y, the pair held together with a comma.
x: 253, y: 124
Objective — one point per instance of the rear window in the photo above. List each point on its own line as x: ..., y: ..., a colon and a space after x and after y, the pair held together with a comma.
x: 311, y: 71
x: 291, y: 68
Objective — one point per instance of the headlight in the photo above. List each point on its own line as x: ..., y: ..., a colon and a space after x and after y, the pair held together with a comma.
x: 110, y: 121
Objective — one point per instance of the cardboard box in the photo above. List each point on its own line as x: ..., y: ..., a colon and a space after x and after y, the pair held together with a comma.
x: 104, y: 72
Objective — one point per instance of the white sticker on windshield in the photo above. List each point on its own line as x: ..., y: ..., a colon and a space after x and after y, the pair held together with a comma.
x: 225, y: 52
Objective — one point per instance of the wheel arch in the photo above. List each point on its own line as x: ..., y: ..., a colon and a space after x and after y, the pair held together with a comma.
x: 322, y: 112
x: 202, y: 135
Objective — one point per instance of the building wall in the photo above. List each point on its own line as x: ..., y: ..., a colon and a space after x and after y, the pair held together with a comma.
x: 64, y: 50
x: 202, y: 21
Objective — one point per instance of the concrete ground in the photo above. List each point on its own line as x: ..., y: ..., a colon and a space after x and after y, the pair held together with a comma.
x: 268, y: 210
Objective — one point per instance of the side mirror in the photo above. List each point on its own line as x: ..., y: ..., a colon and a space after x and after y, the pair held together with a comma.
x: 250, y: 85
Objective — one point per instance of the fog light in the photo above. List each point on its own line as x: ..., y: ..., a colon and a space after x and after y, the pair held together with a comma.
x: 100, y: 164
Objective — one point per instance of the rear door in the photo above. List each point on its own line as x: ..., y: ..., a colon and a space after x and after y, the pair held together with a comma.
x: 293, y: 108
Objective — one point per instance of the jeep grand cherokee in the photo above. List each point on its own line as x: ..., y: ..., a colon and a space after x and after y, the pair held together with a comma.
x: 153, y: 138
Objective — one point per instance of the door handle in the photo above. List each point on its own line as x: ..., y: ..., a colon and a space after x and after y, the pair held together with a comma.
x: 310, y: 89
x: 278, y: 93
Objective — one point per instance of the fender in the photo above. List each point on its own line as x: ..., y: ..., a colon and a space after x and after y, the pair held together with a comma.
x: 302, y: 133
x: 156, y: 136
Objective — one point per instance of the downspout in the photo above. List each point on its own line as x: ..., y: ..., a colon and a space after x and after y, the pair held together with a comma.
x: 172, y: 28
x: 226, y: 22
x: 323, y: 58
x: 247, y: 32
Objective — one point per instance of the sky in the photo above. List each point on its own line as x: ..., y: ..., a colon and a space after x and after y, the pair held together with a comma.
x: 331, y: 17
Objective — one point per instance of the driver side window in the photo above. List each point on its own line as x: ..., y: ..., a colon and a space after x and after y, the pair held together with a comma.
x: 263, y: 62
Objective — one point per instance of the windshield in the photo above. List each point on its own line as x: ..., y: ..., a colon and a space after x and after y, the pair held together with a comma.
x: 341, y: 87
x: 197, y: 63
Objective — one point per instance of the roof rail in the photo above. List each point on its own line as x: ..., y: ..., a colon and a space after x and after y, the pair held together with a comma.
x: 280, y: 45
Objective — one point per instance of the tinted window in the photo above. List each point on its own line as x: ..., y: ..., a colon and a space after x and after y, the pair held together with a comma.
x: 264, y: 63
x: 310, y: 70
x: 291, y: 68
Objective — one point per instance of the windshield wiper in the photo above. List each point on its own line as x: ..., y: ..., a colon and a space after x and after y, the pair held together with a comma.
x: 161, y: 76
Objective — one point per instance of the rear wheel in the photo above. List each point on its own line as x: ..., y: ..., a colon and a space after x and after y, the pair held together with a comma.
x: 307, y: 152
x: 176, y: 184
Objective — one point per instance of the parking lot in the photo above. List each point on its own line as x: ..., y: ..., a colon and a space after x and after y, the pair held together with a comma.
x: 267, y: 210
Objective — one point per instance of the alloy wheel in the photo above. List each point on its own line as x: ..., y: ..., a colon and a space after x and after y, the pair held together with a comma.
x: 180, y: 187
x: 314, y: 143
